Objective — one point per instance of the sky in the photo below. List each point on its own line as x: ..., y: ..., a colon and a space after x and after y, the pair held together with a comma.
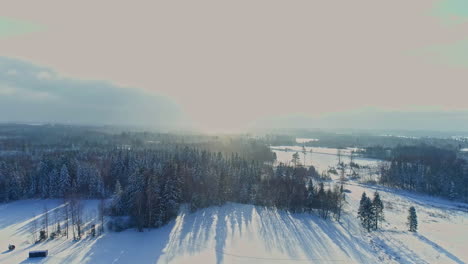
x: 232, y: 65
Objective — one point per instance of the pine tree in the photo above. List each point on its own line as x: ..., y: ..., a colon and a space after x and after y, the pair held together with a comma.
x: 452, y: 192
x: 339, y: 201
x: 65, y: 181
x: 361, y: 212
x: 135, y: 198
x: 412, y: 219
x: 116, y: 203
x: 54, y: 188
x: 43, y: 170
x: 322, y: 199
x: 369, y: 218
x: 377, y: 208
x: 171, y: 194
x: 295, y: 159
x: 15, y: 190
x: 365, y: 212
x: 3, y: 182
x: 311, y: 201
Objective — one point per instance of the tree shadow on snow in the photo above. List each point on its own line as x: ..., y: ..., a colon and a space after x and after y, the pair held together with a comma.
x: 438, y: 248
x: 307, y: 235
x: 34, y: 260
x: 301, y: 237
x: 200, y: 228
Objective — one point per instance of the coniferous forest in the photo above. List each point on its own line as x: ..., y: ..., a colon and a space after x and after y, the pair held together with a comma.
x: 147, y: 177
x: 427, y: 169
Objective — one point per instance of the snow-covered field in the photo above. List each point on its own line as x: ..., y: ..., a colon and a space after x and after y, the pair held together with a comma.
x: 321, y: 158
x: 236, y: 233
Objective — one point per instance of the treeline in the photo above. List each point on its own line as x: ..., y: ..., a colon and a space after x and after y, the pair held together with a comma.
x: 19, y: 140
x: 154, y: 191
x: 427, y: 169
x: 149, y: 176
x: 149, y: 185
x: 51, y: 177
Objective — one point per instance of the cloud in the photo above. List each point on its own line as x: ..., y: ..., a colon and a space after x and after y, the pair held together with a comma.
x: 44, y: 75
x: 12, y: 27
x: 452, y: 10
x: 30, y: 93
x: 453, y: 54
x: 424, y: 118
x: 230, y: 63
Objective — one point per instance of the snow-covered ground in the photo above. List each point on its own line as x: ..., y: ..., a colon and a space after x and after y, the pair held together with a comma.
x: 236, y: 233
x: 233, y: 233
x: 306, y: 140
x: 321, y: 158
x: 443, y: 227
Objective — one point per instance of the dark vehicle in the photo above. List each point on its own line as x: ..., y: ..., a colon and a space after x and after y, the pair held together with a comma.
x: 38, y: 253
x: 11, y: 247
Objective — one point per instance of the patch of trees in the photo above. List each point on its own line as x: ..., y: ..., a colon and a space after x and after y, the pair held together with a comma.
x: 370, y: 139
x: 154, y: 191
x: 48, y: 161
x: 371, y: 211
x: 427, y: 169
x: 66, y: 220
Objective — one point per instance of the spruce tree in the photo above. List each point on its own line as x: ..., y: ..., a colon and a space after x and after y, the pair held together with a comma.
x: 116, y: 203
x: 54, y: 188
x: 377, y: 208
x: 311, y: 201
x: 295, y: 159
x: 365, y: 212
x: 65, y: 181
x: 361, y: 213
x: 412, y: 219
x: 369, y: 216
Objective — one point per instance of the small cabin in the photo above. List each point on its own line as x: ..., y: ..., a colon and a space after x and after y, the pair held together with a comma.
x: 38, y: 253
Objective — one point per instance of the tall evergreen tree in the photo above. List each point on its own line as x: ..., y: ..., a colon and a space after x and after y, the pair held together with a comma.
x: 296, y: 159
x: 365, y: 212
x: 412, y: 219
x: 117, y: 199
x: 361, y: 212
x: 377, y: 208
x: 54, y: 188
x: 64, y: 181
x: 171, y: 194
x: 311, y: 202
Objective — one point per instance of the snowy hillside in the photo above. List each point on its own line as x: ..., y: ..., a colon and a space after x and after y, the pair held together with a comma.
x: 236, y: 233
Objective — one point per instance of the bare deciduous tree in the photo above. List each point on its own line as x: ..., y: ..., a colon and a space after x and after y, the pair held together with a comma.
x: 34, y: 229
x: 76, y: 209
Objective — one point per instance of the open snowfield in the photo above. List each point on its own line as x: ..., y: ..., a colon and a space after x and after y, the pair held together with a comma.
x: 443, y: 227
x: 236, y: 233
x: 321, y: 158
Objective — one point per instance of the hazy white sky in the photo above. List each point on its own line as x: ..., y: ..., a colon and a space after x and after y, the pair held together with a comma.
x: 230, y: 63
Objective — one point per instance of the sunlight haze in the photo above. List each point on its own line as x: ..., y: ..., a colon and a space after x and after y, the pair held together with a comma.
x: 232, y: 65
